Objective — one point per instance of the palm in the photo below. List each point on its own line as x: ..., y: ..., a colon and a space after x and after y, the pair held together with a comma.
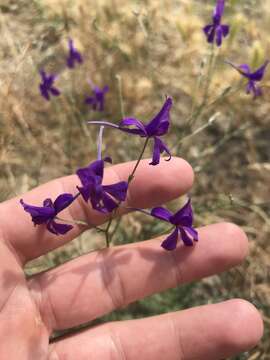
x: 23, y: 333
x: 95, y: 284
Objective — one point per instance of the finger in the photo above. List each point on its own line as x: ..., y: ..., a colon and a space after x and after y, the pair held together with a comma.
x: 208, y: 332
x: 151, y: 186
x: 95, y: 284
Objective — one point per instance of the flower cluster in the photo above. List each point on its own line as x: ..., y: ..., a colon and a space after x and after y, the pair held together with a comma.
x: 215, y: 32
x: 107, y: 199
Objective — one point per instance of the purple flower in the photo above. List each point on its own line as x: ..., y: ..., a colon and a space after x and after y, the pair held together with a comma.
x: 253, y: 77
x: 46, y: 86
x: 104, y: 198
x: 98, y: 99
x: 73, y: 56
x: 216, y: 30
x: 47, y: 213
x: 157, y: 127
x: 182, y: 220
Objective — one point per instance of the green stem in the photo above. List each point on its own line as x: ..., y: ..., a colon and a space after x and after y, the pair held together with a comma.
x: 79, y: 222
x: 130, y: 178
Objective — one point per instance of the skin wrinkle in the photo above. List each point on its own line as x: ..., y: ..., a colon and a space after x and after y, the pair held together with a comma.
x: 53, y: 355
x: 178, y: 337
x: 46, y: 307
x: 36, y: 292
x: 8, y: 298
x: 117, y: 344
x: 118, y: 301
x: 176, y: 269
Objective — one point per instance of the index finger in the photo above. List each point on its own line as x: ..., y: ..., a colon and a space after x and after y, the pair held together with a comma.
x: 152, y: 186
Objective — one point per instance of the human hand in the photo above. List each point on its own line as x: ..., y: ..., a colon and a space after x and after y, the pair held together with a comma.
x: 97, y: 283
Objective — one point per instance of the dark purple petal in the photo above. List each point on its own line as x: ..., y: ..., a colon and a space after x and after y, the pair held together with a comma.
x: 93, y: 173
x: 225, y: 30
x: 62, y: 202
x: 44, y: 92
x: 57, y: 228
x: 218, y: 12
x: 244, y: 67
x: 254, y: 89
x: 186, y: 239
x: 207, y: 29
x: 159, y: 148
x: 211, y: 35
x: 54, y: 91
x: 171, y: 241
x: 97, y: 167
x: 161, y: 213
x: 219, y: 35
x: 48, y: 203
x: 85, y: 176
x: 74, y: 55
x: 192, y: 232
x: 259, y: 73
x: 118, y: 190
x: 40, y: 215
x: 140, y: 128
x: 85, y: 192
x: 109, y: 203
x: 89, y: 100
x: 184, y: 216
x: 108, y: 159
x: 159, y: 125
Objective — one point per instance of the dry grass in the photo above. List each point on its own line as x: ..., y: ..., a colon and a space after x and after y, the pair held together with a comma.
x: 150, y: 50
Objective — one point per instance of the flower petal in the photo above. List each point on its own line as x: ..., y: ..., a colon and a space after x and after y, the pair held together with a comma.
x: 159, y: 148
x: 63, y: 201
x: 109, y: 203
x: 93, y: 173
x: 184, y: 216
x: 186, y: 239
x: 85, y: 192
x: 58, y: 228
x: 39, y: 214
x: 259, y: 73
x: 140, y: 128
x: 207, y: 29
x: 171, y: 241
x: 219, y: 35
x: 54, y: 91
x: 225, y: 30
x: 244, y: 67
x: 159, y: 125
x: 219, y: 10
x: 161, y: 213
x: 192, y: 232
x: 118, y: 190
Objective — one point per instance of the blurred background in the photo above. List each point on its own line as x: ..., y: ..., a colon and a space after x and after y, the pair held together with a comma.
x: 144, y: 50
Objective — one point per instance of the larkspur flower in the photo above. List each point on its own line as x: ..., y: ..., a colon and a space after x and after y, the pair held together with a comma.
x: 46, y: 86
x: 253, y: 77
x: 157, y: 127
x: 182, y: 220
x: 97, y: 100
x: 73, y: 56
x: 217, y: 30
x: 104, y: 198
x: 47, y: 213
